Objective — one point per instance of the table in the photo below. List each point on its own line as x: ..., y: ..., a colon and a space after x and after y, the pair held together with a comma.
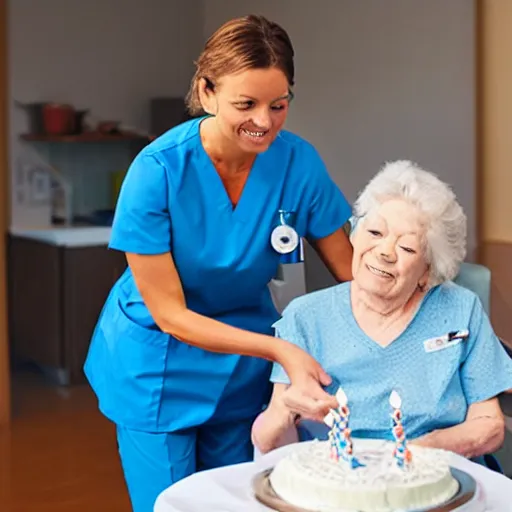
x: 229, y: 489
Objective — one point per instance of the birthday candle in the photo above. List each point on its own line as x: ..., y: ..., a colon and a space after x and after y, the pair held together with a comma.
x: 340, y: 435
x: 334, y: 451
x: 401, y: 453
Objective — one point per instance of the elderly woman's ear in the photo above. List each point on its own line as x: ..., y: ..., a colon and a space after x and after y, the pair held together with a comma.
x: 423, y: 282
x: 347, y: 228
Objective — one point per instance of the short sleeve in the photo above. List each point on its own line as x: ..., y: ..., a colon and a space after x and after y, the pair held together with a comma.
x: 288, y: 328
x: 142, y: 223
x: 329, y: 210
x: 487, y: 368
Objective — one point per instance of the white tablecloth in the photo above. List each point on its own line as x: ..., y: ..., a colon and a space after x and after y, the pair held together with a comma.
x: 229, y: 489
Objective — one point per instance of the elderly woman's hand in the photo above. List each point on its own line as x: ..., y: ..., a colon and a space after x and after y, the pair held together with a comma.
x: 275, y: 426
x: 482, y: 432
x: 305, y: 397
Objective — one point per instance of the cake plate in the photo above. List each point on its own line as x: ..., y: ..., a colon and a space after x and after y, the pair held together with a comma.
x: 266, y: 495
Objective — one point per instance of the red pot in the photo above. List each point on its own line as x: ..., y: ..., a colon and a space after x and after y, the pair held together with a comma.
x: 58, y: 119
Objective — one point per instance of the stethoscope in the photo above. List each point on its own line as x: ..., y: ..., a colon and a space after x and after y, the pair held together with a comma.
x: 284, y: 238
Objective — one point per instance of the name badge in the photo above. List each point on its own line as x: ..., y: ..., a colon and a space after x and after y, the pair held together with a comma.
x: 447, y: 340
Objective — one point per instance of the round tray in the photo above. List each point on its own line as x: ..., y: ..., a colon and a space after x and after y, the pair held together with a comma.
x: 265, y: 494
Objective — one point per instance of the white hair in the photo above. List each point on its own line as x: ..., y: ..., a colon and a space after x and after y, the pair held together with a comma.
x: 446, y: 229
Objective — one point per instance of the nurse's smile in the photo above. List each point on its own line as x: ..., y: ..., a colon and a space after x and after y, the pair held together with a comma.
x: 256, y: 137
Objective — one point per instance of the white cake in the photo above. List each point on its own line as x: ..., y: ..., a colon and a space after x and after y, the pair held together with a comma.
x: 308, y: 478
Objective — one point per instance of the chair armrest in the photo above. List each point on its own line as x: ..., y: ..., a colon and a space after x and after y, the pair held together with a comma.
x: 507, y: 345
x: 505, y: 400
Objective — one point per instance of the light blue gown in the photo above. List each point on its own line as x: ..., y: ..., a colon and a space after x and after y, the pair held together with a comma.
x: 436, y: 387
x: 179, y: 408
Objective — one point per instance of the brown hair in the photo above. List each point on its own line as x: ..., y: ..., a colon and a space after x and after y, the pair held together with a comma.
x: 249, y: 42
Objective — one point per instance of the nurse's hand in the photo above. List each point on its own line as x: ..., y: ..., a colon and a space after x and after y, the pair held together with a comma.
x: 306, y: 397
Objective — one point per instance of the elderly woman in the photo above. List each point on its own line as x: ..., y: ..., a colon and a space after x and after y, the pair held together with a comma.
x: 401, y: 324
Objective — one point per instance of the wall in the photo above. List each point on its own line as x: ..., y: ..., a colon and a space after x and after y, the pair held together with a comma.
x: 378, y: 81
x: 496, y: 119
x: 496, y: 159
x: 109, y: 56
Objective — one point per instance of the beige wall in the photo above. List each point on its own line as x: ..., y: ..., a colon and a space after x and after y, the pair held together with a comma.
x: 495, y: 82
x: 496, y: 97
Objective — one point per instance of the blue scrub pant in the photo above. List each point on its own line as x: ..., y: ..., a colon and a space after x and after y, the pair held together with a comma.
x: 154, y: 461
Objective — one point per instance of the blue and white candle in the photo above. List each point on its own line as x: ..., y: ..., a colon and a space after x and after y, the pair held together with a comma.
x: 401, y: 453
x: 340, y: 434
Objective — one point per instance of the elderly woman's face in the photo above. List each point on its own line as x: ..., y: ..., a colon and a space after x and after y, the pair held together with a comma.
x: 388, y: 257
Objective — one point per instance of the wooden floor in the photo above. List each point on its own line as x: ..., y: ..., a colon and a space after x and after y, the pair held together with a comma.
x: 60, y: 453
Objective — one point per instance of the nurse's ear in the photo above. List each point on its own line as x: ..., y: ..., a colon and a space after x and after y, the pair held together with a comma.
x: 206, y: 91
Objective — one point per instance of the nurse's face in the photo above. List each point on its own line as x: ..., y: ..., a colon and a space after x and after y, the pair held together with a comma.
x: 250, y: 107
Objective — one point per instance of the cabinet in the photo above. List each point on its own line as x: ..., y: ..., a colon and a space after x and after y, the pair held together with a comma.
x: 55, y: 296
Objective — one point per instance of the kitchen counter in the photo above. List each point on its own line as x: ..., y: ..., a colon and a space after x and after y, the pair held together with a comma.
x: 75, y: 236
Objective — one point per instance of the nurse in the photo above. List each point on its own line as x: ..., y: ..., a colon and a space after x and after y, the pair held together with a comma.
x: 181, y: 355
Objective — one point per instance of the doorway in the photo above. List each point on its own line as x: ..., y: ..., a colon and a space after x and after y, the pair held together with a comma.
x: 5, y: 396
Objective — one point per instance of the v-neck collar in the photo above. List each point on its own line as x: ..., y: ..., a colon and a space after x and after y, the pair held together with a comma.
x: 256, y: 183
x: 370, y: 342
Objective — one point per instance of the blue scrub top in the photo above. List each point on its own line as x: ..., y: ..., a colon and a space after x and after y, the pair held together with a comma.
x: 173, y: 200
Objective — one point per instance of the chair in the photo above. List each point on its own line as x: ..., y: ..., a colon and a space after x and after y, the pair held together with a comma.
x: 476, y: 278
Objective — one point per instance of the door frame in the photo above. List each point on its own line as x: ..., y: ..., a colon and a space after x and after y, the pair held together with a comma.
x: 5, y: 374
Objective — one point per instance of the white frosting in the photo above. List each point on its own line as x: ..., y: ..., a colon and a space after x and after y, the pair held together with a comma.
x: 310, y: 479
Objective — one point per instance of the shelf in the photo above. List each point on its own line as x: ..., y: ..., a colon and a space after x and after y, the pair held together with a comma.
x: 86, y: 137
